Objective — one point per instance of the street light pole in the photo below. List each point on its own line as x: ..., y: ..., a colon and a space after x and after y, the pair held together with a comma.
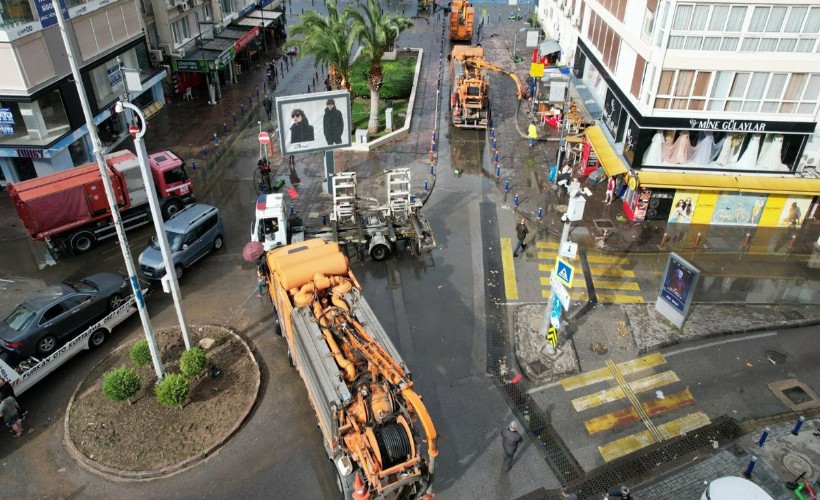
x: 99, y: 153
x: 156, y: 215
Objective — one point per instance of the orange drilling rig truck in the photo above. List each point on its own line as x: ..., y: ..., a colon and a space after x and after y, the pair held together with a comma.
x: 358, y: 384
x: 470, y: 95
x: 462, y: 15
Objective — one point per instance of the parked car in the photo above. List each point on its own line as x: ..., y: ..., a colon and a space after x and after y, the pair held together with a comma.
x: 58, y: 313
x: 193, y: 233
x: 734, y: 488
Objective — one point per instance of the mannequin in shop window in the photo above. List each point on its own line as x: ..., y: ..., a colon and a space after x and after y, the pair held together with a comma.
x: 749, y: 157
x: 681, y: 151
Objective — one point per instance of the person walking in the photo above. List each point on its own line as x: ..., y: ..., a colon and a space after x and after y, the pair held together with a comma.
x: 610, y: 190
x: 9, y: 412
x: 510, y: 439
x: 264, y: 169
x: 532, y: 133
x: 566, y: 494
x: 268, y: 104
x: 622, y: 494
x: 521, y: 233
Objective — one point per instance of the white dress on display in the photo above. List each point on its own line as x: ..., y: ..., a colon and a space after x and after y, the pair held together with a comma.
x: 703, y: 150
x: 749, y: 157
x: 770, y: 157
x: 681, y: 151
x: 654, y: 153
x: 725, y: 150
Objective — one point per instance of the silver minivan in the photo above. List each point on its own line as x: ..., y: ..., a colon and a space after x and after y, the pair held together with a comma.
x: 193, y: 233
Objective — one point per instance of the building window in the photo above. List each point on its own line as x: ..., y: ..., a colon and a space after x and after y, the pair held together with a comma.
x: 683, y: 89
x: 35, y: 123
x: 208, y: 12
x: 764, y: 93
x: 14, y: 13
x: 605, y: 40
x: 228, y: 6
x: 664, y: 14
x: 175, y: 33
x: 186, y: 34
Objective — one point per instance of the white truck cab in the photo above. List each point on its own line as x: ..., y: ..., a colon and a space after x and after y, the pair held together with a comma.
x: 271, y: 223
x: 734, y: 488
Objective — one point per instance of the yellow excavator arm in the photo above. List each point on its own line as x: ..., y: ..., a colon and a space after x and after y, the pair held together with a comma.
x: 481, y: 63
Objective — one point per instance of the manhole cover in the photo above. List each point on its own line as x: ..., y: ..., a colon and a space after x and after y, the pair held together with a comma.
x: 796, y: 465
x: 791, y: 314
x: 599, y: 348
x: 775, y: 357
x: 797, y: 395
x: 603, y: 223
x: 538, y: 367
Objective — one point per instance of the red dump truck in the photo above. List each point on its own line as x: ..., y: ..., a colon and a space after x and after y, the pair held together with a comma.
x: 69, y: 209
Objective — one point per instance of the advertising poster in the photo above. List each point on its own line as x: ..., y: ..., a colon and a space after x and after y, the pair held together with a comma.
x: 683, y: 207
x: 706, y: 206
x: 794, y: 213
x: 314, y: 122
x: 679, y: 282
x: 771, y: 212
x: 738, y: 209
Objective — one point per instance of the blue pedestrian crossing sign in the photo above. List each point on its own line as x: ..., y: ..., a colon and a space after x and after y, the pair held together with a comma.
x: 564, y: 272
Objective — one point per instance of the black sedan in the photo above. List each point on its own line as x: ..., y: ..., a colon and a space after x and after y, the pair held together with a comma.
x: 60, y: 312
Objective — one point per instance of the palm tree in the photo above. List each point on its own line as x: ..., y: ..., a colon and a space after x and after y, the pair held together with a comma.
x: 376, y: 32
x: 328, y: 40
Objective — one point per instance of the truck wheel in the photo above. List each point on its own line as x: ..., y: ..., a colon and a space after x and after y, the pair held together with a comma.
x: 46, y: 345
x: 114, y: 302
x: 218, y: 241
x: 97, y: 338
x: 379, y: 252
x: 171, y: 207
x: 82, y: 241
x: 179, y: 271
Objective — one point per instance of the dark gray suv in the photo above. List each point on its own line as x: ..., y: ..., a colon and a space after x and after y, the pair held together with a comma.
x: 192, y: 234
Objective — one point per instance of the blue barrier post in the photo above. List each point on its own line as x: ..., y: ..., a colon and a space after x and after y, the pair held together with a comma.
x: 748, y: 472
x: 797, y: 426
x: 250, y: 101
x: 507, y: 186
x: 324, y: 219
x: 205, y: 152
x: 516, y: 201
x: 426, y: 186
x: 242, y: 109
x: 432, y: 170
x: 193, y: 165
x: 291, y: 209
x: 234, y: 118
x: 763, y: 437
x: 216, y: 140
x: 498, y: 171
x: 540, y: 213
x: 225, y: 128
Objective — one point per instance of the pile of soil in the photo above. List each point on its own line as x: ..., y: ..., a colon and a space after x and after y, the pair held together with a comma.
x: 144, y: 435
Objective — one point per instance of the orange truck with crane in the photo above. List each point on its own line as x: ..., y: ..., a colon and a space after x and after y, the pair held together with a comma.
x: 470, y: 95
x: 462, y: 16
x: 359, y: 386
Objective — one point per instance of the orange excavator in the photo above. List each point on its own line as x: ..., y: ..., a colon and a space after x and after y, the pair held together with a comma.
x: 359, y: 386
x: 462, y: 15
x: 470, y: 95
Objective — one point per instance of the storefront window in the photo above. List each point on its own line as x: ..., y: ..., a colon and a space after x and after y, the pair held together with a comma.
x: 108, y: 80
x: 14, y: 13
x: 33, y: 123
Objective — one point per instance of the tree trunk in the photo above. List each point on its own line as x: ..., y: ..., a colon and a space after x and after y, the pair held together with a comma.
x: 373, y: 122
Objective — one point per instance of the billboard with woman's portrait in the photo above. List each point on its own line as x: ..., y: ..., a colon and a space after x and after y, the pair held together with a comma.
x: 313, y: 122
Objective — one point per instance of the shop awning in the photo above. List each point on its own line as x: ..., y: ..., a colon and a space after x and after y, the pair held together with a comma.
x: 744, y: 183
x: 254, y: 22
x: 607, y: 156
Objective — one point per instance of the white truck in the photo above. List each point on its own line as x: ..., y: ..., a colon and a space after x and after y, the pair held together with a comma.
x: 31, y: 370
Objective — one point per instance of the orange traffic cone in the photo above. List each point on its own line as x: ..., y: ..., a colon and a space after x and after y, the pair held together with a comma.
x: 359, y: 489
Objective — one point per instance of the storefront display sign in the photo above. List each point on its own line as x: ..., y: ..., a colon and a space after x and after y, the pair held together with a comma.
x: 613, y: 116
x: 246, y: 39
x: 677, y: 289
x: 45, y: 11
x: 6, y: 122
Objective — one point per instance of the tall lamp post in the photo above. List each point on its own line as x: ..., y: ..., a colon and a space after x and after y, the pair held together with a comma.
x: 156, y: 214
x: 515, y: 43
x: 99, y: 153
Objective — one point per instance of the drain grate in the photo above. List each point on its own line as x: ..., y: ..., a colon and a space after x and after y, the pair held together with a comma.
x: 797, y: 395
x: 792, y: 314
x: 603, y: 223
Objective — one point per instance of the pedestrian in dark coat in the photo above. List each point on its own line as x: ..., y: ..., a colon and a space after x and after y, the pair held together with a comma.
x: 521, y: 233
x: 510, y: 439
x: 268, y: 104
x: 333, y: 123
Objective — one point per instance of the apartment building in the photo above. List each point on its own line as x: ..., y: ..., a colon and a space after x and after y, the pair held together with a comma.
x: 710, y: 109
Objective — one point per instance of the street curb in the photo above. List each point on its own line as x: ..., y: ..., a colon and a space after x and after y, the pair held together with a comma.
x: 779, y: 325
x: 127, y: 476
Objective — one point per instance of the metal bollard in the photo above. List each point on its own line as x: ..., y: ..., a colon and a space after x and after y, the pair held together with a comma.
x: 291, y: 209
x: 216, y: 140
x: 507, y: 186
x: 432, y: 170
x: 495, y: 144
x: 257, y: 93
x: 324, y: 219
x: 205, y: 152
x: 498, y: 171
x: 516, y: 201
x: 193, y: 165
x: 763, y: 437
x: 748, y: 472
x: 663, y: 240
x: 540, y: 213
x: 234, y: 118
x: 492, y: 132
x: 798, y: 425
x: 224, y: 128
x: 250, y: 101
x: 697, y: 241
x: 792, y: 242
x: 242, y: 109
x: 745, y: 244
x: 495, y: 158
x: 426, y: 186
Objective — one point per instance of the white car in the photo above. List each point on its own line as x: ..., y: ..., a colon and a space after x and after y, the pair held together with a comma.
x: 734, y: 488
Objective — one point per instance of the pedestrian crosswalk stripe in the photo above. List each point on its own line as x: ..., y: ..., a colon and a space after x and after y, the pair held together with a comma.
x: 592, y: 259
x: 510, y: 284
x: 634, y: 442
x: 547, y: 244
x: 604, y: 284
x: 603, y: 374
x: 630, y: 415
x: 615, y: 393
x: 604, y: 298
x: 625, y: 273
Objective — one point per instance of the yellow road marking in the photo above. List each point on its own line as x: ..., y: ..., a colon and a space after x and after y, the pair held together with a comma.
x: 615, y: 393
x: 615, y: 285
x: 604, y: 298
x: 603, y: 374
x: 592, y: 259
x: 625, y: 273
x: 510, y: 284
x: 629, y: 415
x: 546, y: 244
x: 633, y: 399
x: 629, y: 444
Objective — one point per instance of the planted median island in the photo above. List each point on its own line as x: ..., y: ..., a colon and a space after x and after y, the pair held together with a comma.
x: 122, y: 422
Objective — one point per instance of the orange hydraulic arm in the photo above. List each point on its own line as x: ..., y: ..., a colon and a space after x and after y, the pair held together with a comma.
x: 481, y: 63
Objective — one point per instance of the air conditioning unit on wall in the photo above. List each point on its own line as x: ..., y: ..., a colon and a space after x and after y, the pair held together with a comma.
x: 180, y: 53
x: 166, y: 48
x: 155, y: 55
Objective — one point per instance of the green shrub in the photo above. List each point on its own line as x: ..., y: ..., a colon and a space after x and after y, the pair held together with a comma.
x: 192, y: 362
x: 173, y: 390
x: 121, y: 384
x: 398, y: 78
x: 140, y: 353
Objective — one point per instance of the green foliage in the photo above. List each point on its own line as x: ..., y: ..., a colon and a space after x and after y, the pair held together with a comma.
x: 140, y: 353
x: 192, y: 362
x: 398, y: 78
x: 173, y: 390
x: 121, y: 384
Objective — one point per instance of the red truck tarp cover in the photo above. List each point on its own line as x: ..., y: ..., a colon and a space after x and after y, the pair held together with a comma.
x: 50, y: 212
